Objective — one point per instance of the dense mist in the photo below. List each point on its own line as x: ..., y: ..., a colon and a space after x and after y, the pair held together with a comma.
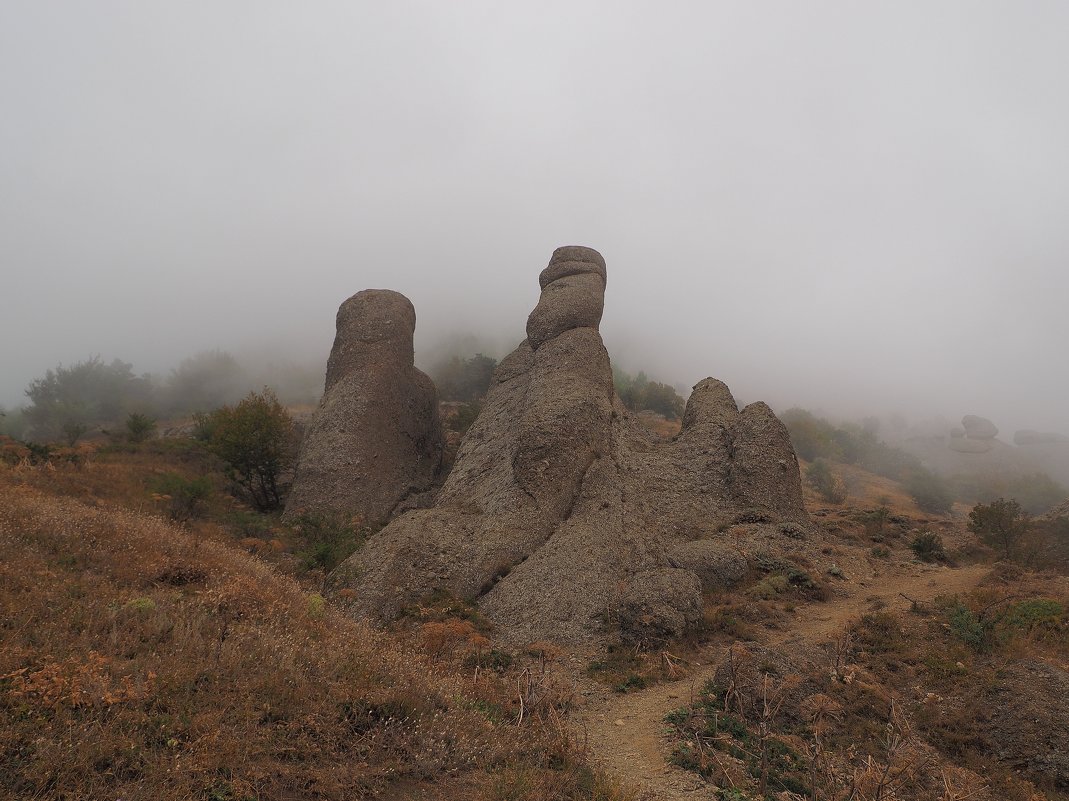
x: 856, y: 208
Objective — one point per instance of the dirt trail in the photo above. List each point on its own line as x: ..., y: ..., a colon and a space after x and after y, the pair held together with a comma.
x: 626, y: 733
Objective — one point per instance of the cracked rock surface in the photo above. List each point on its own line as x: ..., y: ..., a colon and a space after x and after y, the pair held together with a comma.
x: 562, y: 515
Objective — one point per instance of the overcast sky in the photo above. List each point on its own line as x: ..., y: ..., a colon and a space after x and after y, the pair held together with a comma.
x: 852, y: 206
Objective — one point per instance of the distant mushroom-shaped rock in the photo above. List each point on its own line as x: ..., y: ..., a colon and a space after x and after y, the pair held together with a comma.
x: 978, y: 427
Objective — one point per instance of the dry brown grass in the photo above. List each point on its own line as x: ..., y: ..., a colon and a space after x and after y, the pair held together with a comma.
x: 141, y: 661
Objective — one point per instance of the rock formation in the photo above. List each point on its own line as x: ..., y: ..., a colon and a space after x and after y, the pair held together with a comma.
x: 978, y: 427
x: 1030, y: 730
x: 1028, y: 438
x: 976, y: 435
x: 561, y: 514
x: 375, y: 439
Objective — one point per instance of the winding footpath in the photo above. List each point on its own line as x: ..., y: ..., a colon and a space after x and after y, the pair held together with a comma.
x: 626, y: 734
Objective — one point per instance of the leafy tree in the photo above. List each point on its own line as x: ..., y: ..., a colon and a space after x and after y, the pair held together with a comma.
x: 255, y: 438
x: 1002, y: 524
x: 83, y: 394
x: 139, y: 427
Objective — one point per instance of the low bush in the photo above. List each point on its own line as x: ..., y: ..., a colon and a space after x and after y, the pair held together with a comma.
x: 830, y: 487
x: 327, y: 541
x: 184, y: 498
x: 139, y: 427
x: 928, y: 547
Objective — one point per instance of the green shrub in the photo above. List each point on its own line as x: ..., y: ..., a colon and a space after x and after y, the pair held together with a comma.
x: 1001, y: 524
x: 256, y: 440
x: 185, y: 497
x: 1036, y: 613
x: 327, y: 541
x: 139, y: 427
x: 967, y: 626
x: 928, y: 547
x: 875, y: 520
x: 830, y: 488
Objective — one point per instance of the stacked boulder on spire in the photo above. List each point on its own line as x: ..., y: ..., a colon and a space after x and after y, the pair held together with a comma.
x: 562, y: 515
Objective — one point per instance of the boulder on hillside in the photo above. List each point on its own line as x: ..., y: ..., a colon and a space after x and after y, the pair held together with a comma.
x: 1030, y: 727
x: 978, y: 427
x: 1027, y: 437
x: 375, y: 439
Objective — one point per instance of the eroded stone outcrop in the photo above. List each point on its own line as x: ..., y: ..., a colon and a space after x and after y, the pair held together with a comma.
x: 562, y: 515
x: 376, y: 438
x: 978, y: 427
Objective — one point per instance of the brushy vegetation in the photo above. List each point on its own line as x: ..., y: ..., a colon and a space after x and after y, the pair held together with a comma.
x: 141, y: 660
x: 184, y: 498
x: 928, y: 547
x: 69, y: 402
x: 463, y: 379
x: 256, y: 441
x: 69, y: 399
x: 139, y: 427
x: 1001, y: 524
x: 829, y: 486
x: 815, y: 438
x: 638, y: 393
x: 1035, y: 492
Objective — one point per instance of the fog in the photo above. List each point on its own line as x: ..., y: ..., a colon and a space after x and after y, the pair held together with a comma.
x: 855, y: 207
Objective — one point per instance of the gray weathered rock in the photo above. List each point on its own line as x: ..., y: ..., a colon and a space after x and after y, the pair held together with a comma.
x: 1027, y: 438
x: 1030, y: 729
x: 562, y: 513
x: 659, y: 604
x: 978, y: 427
x: 716, y: 564
x: 375, y: 438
